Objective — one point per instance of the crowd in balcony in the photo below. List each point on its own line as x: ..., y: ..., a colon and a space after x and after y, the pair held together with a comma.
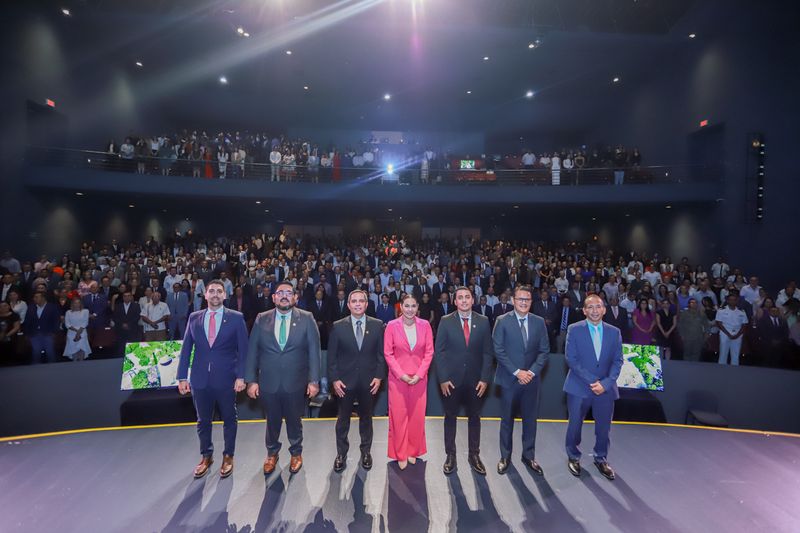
x: 91, y: 302
x: 236, y: 155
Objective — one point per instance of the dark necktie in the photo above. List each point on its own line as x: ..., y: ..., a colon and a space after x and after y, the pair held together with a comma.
x: 359, y: 334
x: 524, y: 332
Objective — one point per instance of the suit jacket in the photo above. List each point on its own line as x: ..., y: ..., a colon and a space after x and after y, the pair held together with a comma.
x: 419, y: 290
x: 771, y: 334
x: 500, y: 309
x: 437, y: 290
x: 97, y: 306
x: 48, y: 324
x: 558, y: 315
x: 455, y: 360
x: 131, y: 318
x: 290, y: 369
x: 178, y: 309
x: 620, y: 322
x: 385, y: 315
x: 512, y: 354
x: 538, y: 309
x: 263, y: 304
x: 488, y: 312
x: 215, y: 366
x: 339, y: 311
x: 577, y: 299
x: 354, y: 366
x: 400, y: 358
x: 585, y: 368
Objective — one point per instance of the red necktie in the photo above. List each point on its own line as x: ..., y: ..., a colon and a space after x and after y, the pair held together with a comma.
x: 212, y: 329
x: 466, y: 330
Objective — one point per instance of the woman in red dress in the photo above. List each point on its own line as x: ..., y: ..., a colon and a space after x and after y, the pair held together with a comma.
x: 208, y: 170
x: 408, y: 348
x: 337, y: 166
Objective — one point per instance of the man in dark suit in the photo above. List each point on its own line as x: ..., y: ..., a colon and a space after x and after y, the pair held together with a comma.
x: 576, y: 294
x: 594, y: 357
x: 97, y: 304
x: 773, y: 336
x: 126, y: 321
x: 264, y: 300
x: 421, y: 287
x: 441, y: 308
x: 484, y: 309
x: 463, y: 358
x: 385, y: 312
x: 341, y: 307
x: 438, y: 288
x: 521, y: 346
x: 617, y: 316
x: 501, y: 308
x: 546, y: 309
x: 283, y: 366
x: 178, y: 304
x: 219, y: 339
x: 42, y: 322
x: 356, y: 367
x: 322, y: 310
x: 563, y: 317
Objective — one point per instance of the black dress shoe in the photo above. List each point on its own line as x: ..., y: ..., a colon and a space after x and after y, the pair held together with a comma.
x: 449, y: 464
x: 502, y: 466
x: 533, y: 465
x: 476, y: 464
x: 574, y: 466
x: 366, y: 461
x: 339, y: 463
x: 606, y: 470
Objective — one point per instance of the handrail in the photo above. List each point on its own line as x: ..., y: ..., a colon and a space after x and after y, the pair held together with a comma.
x: 403, y: 174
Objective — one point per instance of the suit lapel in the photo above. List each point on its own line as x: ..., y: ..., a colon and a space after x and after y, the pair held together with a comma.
x: 269, y: 326
x: 294, y: 318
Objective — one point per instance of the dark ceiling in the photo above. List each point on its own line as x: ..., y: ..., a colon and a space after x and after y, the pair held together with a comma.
x: 426, y: 53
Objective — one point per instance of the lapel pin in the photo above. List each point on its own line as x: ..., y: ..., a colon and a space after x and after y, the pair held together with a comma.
x: 294, y: 324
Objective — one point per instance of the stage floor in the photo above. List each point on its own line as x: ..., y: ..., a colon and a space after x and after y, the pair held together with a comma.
x: 669, y: 479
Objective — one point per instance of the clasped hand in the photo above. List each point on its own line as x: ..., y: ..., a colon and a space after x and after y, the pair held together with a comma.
x: 525, y: 376
x: 411, y: 380
x: 597, y: 388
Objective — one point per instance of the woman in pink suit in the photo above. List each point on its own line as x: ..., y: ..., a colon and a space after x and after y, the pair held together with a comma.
x: 408, y: 348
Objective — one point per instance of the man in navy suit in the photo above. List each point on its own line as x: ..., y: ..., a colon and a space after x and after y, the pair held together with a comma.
x: 178, y: 304
x: 385, y: 312
x: 356, y: 367
x: 42, y: 321
x: 219, y: 339
x: 521, y: 346
x: 483, y: 308
x: 594, y: 357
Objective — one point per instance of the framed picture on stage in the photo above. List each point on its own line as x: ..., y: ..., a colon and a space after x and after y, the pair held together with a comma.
x: 641, y: 368
x: 150, y: 365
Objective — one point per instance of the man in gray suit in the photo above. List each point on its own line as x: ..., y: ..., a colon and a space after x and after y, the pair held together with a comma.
x: 178, y: 303
x: 521, y: 346
x: 283, y: 366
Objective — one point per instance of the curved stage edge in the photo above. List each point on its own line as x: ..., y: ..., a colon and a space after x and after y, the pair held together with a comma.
x: 670, y: 478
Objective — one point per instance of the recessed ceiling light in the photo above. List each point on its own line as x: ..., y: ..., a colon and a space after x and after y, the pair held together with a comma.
x: 627, y: 214
x: 240, y: 30
x: 387, y: 97
x: 139, y: 64
x: 78, y: 194
x: 223, y: 80
x: 615, y: 80
x: 529, y: 94
x: 305, y: 87
x: 288, y: 52
x: 390, y: 209
x: 594, y: 218
x: 486, y: 58
x: 131, y: 205
x: 692, y: 35
x: 469, y: 92
x: 516, y: 207
x: 531, y: 45
x: 66, y: 12
x: 668, y: 206
x: 258, y: 201
x: 266, y: 210
x: 246, y: 34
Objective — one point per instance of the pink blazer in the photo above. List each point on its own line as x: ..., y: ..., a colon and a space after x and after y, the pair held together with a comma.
x: 400, y: 358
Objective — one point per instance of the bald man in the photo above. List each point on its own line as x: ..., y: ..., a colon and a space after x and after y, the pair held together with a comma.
x: 594, y: 357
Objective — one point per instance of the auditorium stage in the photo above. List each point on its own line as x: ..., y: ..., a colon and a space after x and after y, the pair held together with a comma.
x: 669, y: 479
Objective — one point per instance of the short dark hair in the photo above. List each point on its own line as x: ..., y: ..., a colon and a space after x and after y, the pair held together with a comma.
x: 523, y: 288
x: 216, y: 282
x: 463, y: 288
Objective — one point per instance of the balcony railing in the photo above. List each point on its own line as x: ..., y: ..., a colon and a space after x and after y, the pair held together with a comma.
x: 400, y: 174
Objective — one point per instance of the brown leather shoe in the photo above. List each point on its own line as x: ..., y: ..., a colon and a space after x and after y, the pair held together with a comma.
x: 227, y: 466
x: 270, y: 463
x: 296, y: 464
x: 202, y: 467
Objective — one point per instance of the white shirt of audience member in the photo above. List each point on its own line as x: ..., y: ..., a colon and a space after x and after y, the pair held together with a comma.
x: 732, y: 319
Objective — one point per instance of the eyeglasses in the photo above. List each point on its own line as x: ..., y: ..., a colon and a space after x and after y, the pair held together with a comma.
x: 284, y: 293
x: 523, y: 300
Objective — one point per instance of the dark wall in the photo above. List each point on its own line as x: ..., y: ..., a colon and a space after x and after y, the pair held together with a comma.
x: 85, y: 395
x: 741, y: 74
